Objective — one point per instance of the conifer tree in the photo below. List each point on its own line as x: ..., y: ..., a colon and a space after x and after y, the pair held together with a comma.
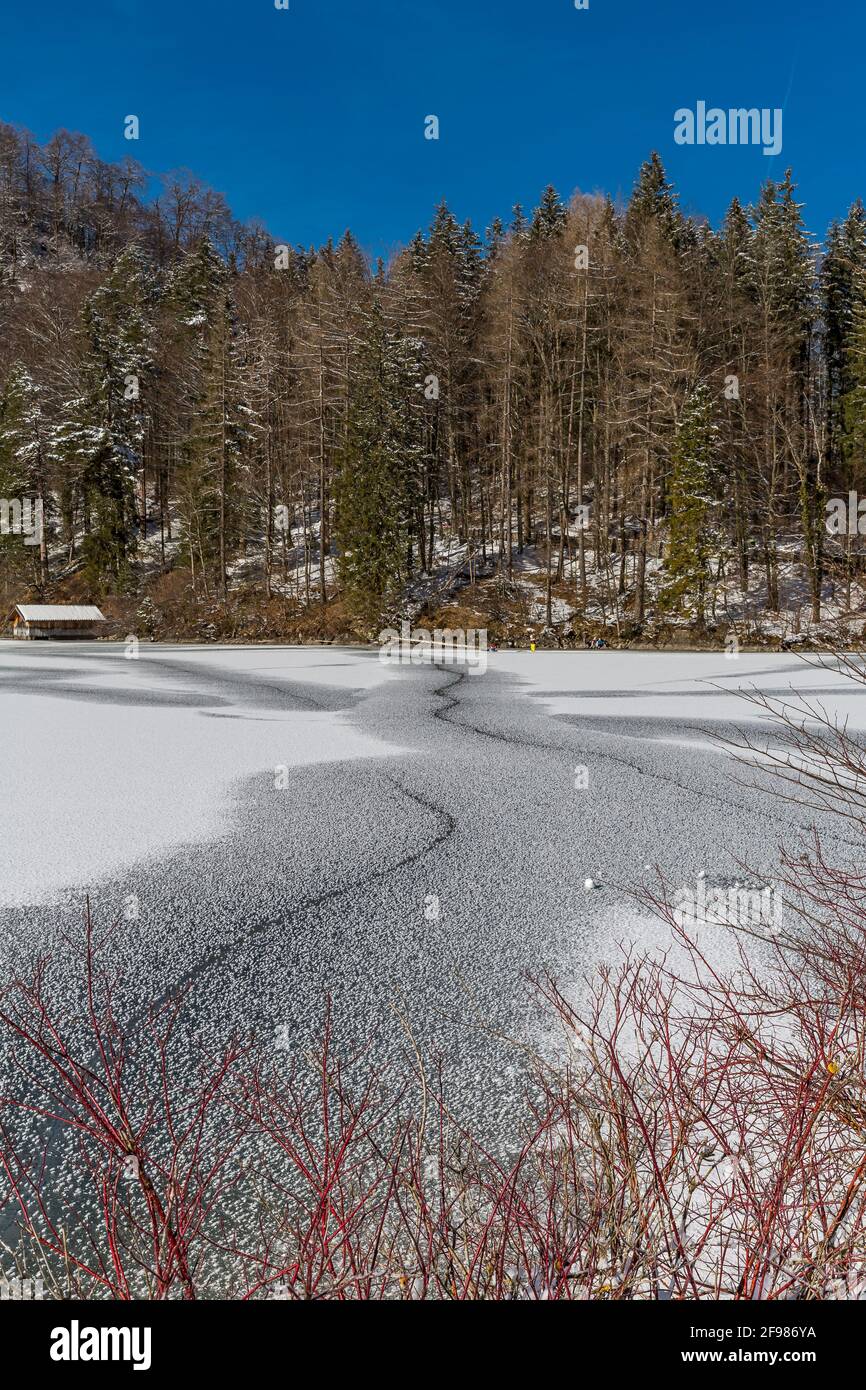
x: 102, y: 431
x: 375, y: 487
x: 215, y: 418
x: 653, y: 201
x: 842, y: 277
x: 733, y: 318
x: 690, y: 501
x: 782, y: 278
x: 23, y: 465
x: 854, y: 375
x: 550, y: 216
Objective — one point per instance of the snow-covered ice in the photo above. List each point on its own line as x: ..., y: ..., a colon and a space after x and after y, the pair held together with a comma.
x: 677, y: 686
x: 112, y: 761
x: 403, y: 786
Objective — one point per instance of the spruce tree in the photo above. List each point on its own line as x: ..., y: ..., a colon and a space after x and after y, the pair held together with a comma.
x: 653, y: 201
x: 375, y: 486
x: 736, y: 328
x: 854, y: 400
x: 692, y: 457
x: 782, y: 280
x: 550, y: 216
x: 102, y: 431
x: 214, y: 418
x: 23, y: 470
x: 842, y: 278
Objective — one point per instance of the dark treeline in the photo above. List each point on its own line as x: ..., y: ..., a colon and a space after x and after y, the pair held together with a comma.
x: 179, y: 389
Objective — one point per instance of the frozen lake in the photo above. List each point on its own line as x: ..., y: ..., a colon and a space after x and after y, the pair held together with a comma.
x: 279, y: 825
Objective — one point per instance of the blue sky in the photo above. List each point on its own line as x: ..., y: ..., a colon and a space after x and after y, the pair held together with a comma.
x: 312, y: 119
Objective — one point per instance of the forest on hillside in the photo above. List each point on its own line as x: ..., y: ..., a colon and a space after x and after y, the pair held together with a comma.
x: 644, y: 415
